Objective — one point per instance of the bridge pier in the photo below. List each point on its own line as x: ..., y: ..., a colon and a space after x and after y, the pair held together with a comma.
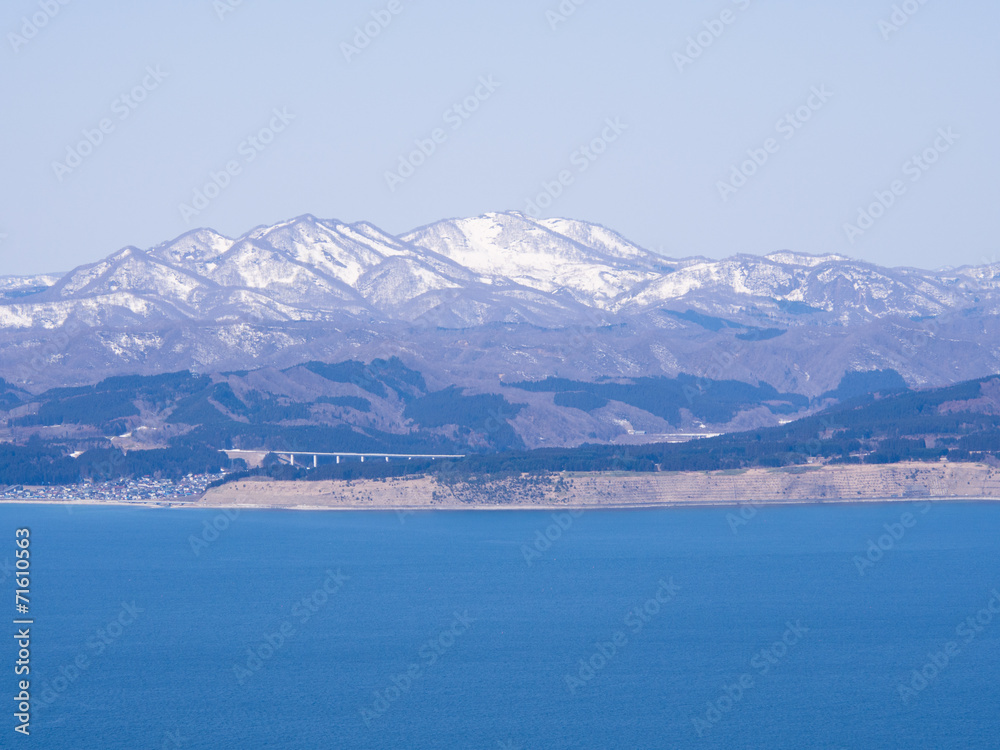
x: 261, y: 454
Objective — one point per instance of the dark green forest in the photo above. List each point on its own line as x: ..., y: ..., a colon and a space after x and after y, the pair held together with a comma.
x: 708, y: 400
x: 41, y: 464
x: 483, y: 412
x: 873, y: 429
x: 874, y: 418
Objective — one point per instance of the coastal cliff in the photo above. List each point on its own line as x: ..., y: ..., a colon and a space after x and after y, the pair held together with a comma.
x: 939, y: 481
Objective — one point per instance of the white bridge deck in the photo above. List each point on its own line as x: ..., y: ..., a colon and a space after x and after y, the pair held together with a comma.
x: 259, y: 455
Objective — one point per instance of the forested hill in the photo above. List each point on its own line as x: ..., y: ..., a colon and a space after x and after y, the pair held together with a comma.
x: 957, y: 423
x: 384, y: 405
x: 176, y: 423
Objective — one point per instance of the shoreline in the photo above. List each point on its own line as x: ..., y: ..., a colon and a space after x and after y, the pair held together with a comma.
x: 815, y: 485
x: 797, y: 485
x: 468, y: 507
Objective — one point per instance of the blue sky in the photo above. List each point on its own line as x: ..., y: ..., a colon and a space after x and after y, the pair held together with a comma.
x: 668, y: 122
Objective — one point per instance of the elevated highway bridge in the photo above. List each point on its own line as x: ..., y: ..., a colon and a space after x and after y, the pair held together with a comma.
x: 256, y: 458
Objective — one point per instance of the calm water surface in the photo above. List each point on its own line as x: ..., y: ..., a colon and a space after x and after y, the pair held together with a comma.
x: 374, y: 630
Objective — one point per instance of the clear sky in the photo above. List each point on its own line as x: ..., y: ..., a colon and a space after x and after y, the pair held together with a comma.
x: 503, y: 96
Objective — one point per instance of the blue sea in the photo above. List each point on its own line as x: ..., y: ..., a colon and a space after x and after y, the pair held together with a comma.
x: 819, y: 626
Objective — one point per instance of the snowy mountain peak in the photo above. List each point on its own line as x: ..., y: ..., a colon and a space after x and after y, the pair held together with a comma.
x: 804, y: 259
x: 502, y: 267
x: 498, y: 293
x: 590, y: 263
x: 193, y: 249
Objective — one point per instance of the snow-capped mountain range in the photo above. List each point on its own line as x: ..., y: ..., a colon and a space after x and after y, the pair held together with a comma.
x: 493, y: 297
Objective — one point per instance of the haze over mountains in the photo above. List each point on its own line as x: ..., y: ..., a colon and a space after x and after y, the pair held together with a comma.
x: 490, y: 300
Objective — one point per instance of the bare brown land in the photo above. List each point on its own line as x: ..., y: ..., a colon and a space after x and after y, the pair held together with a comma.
x: 940, y: 481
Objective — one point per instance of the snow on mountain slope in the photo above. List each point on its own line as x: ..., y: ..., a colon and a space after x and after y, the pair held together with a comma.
x: 399, y: 280
x: 738, y: 277
x: 512, y: 247
x: 196, y: 251
x: 115, y: 309
x: 510, y: 294
x: 843, y: 287
x: 603, y: 239
x: 330, y: 263
x: 500, y: 269
x: 256, y: 264
x: 306, y: 267
x: 134, y: 272
x: 14, y: 285
x: 803, y: 259
x: 332, y: 249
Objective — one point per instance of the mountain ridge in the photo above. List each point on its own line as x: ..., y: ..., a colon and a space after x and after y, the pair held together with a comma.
x: 477, y: 300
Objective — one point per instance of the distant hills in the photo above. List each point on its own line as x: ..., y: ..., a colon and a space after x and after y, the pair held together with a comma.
x: 486, y: 302
x: 362, y: 407
x: 176, y: 423
x: 492, y: 336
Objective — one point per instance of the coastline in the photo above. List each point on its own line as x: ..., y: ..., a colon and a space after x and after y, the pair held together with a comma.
x: 810, y: 485
x: 408, y: 509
